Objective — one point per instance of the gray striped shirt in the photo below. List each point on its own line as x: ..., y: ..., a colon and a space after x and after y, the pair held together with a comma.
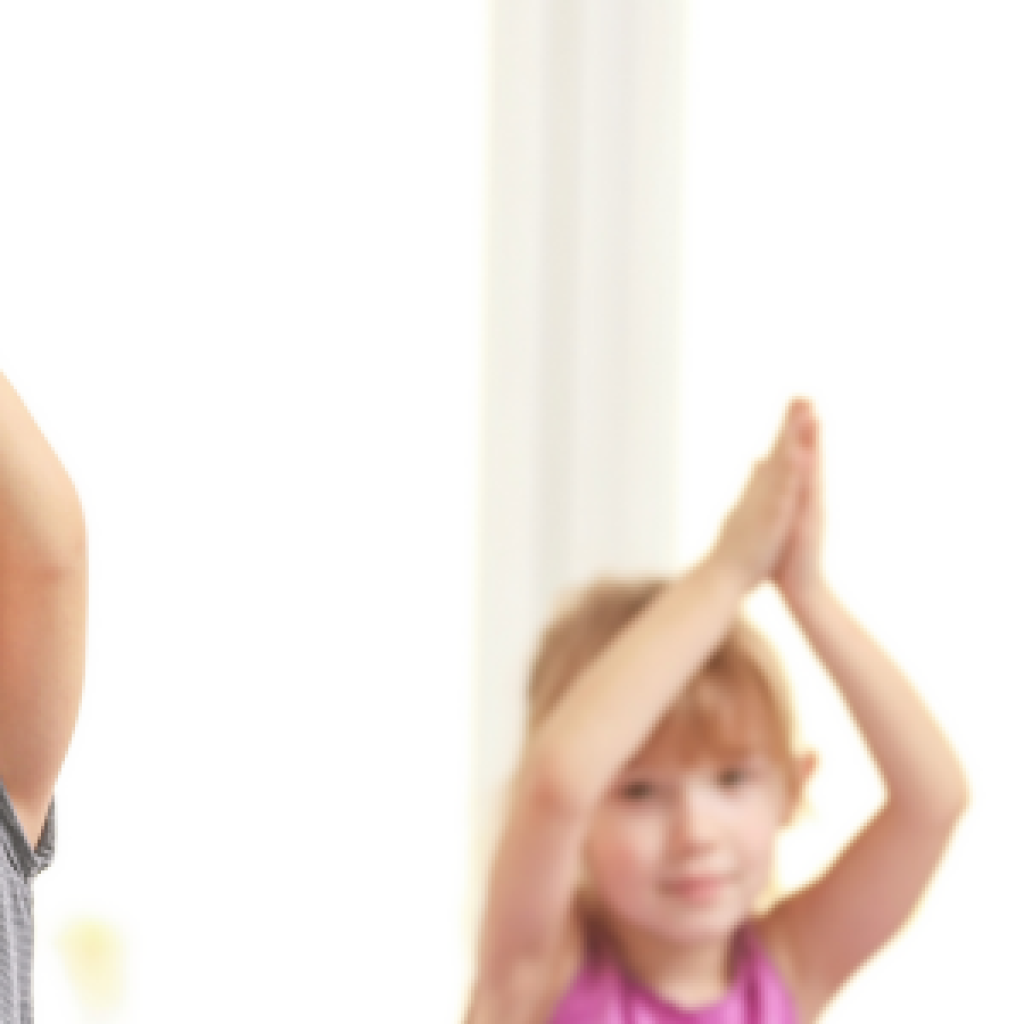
x: 19, y: 864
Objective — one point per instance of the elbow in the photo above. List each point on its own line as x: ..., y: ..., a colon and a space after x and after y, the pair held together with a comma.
x: 65, y: 547
x: 957, y: 791
x: 947, y: 816
x: 955, y: 801
x: 76, y: 550
x: 946, y: 805
x: 549, y: 784
x: 952, y: 814
x: 961, y: 796
x: 45, y: 533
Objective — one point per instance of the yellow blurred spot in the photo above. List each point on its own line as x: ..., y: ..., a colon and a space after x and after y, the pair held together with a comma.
x: 93, y: 953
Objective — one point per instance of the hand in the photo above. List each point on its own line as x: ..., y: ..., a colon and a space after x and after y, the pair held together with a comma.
x: 799, y: 566
x: 760, y: 526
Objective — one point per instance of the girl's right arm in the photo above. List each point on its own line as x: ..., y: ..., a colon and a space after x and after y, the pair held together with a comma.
x: 530, y: 946
x: 529, y: 941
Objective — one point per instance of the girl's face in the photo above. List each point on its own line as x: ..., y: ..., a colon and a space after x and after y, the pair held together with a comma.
x: 681, y: 851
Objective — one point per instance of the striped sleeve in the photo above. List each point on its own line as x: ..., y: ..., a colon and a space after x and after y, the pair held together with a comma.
x: 19, y: 864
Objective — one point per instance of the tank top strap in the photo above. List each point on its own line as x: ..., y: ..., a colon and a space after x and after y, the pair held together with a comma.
x: 767, y: 996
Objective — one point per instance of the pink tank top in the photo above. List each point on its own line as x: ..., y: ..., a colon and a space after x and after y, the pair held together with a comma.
x: 603, y: 994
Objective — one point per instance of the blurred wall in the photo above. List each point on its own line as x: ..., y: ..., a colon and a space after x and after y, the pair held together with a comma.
x: 580, y: 432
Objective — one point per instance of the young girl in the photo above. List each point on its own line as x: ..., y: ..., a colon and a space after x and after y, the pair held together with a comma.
x: 628, y: 886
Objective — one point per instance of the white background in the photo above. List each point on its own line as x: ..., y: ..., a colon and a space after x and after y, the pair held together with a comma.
x: 854, y: 231
x: 239, y: 290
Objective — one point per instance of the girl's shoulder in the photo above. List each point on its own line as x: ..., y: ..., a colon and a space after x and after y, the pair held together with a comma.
x: 573, y: 955
x: 536, y: 993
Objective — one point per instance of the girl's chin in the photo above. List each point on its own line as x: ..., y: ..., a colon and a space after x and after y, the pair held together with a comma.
x: 683, y: 923
x: 692, y: 934
x: 704, y: 924
x: 708, y: 929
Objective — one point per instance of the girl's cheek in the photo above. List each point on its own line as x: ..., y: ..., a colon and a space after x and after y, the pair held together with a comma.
x: 625, y: 849
x: 760, y: 830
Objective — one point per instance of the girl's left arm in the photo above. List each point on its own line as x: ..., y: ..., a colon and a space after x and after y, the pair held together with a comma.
x: 830, y: 928
x: 833, y: 926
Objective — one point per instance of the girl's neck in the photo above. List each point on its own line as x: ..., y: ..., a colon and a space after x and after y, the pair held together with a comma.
x: 690, y: 976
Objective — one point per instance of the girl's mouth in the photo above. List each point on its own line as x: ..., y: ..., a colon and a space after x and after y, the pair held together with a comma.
x: 700, y: 889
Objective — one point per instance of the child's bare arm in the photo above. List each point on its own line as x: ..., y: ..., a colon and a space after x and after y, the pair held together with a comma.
x: 607, y: 714
x: 42, y: 612
x: 601, y: 722
x: 837, y: 923
x: 527, y: 918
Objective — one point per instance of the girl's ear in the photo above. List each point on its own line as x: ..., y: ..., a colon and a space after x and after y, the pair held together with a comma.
x: 808, y: 766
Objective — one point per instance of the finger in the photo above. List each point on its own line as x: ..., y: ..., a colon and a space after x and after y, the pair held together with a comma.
x: 802, y: 421
x: 794, y: 454
x: 798, y: 413
x: 810, y: 426
x: 817, y: 469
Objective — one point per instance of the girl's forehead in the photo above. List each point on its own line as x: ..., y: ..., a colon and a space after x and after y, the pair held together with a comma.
x: 719, y: 726
x: 667, y: 754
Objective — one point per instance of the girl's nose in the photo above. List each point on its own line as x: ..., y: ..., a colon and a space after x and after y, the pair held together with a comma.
x: 692, y: 817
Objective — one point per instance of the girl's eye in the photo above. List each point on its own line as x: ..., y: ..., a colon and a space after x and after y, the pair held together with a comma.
x: 733, y: 777
x: 636, y: 791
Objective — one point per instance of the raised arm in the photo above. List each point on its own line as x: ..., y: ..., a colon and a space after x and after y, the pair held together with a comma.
x: 43, y: 584
x: 606, y: 716
x: 837, y: 923
x: 601, y: 722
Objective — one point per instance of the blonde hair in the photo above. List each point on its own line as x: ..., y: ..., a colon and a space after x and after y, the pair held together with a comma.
x: 739, y: 695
